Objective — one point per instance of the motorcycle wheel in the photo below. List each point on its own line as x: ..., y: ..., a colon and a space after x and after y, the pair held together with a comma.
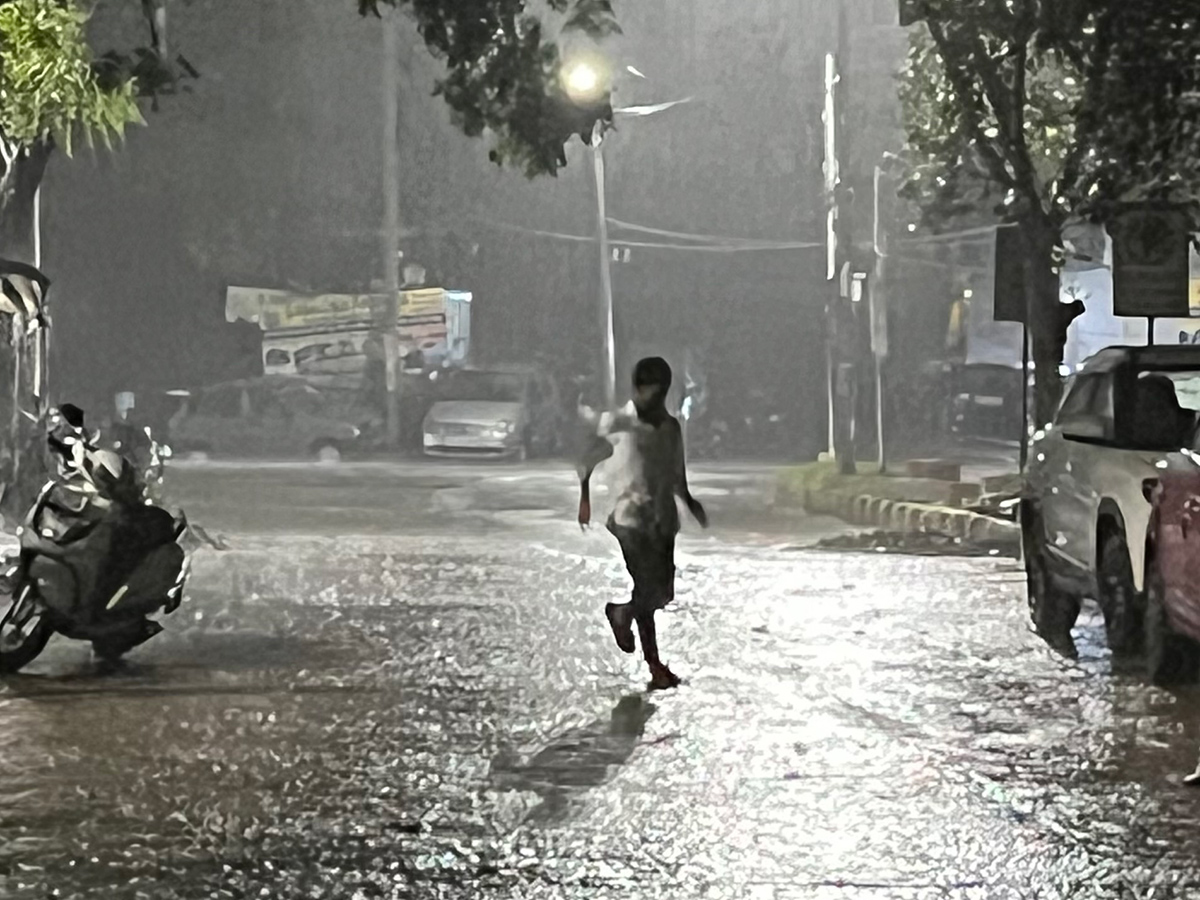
x: 24, y: 633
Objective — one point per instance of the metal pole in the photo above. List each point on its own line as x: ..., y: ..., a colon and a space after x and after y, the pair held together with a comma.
x: 606, y: 296
x: 391, y: 220
x: 1150, y: 331
x: 39, y: 341
x: 37, y: 229
x: 879, y: 320
x: 1024, y: 396
x: 879, y: 413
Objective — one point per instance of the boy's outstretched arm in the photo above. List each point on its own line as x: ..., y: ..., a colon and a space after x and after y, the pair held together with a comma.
x: 695, y: 507
x: 597, y: 451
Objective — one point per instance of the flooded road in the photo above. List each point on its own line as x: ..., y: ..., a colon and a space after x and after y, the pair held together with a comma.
x: 398, y: 682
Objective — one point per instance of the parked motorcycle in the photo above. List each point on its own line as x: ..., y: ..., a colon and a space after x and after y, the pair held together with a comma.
x: 95, y: 561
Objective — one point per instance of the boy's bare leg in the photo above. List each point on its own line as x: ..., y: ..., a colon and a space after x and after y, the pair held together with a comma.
x: 1193, y: 780
x: 660, y: 676
x: 620, y: 619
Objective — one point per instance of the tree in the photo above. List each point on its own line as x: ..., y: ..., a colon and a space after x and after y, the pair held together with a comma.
x: 503, y: 72
x: 57, y: 90
x: 502, y: 77
x: 54, y: 94
x: 1039, y: 111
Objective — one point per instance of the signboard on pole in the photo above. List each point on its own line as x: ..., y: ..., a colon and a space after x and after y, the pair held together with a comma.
x: 1151, y: 262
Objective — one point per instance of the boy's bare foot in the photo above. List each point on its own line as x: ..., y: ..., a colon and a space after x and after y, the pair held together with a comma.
x: 620, y: 619
x: 662, y: 678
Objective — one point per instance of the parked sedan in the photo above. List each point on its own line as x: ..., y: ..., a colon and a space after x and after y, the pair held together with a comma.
x: 276, y: 416
x: 503, y: 412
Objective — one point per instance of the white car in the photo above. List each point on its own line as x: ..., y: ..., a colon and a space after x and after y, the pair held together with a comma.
x: 507, y: 411
x: 1127, y: 415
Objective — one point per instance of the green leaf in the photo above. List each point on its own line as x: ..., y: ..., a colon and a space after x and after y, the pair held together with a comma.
x: 50, y: 87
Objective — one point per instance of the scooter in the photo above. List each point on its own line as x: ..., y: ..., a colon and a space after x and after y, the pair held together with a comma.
x: 94, y: 574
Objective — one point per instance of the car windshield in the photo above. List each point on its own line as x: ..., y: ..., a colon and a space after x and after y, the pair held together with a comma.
x: 494, y: 387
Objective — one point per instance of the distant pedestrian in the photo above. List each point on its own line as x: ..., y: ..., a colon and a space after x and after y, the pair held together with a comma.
x: 644, y: 519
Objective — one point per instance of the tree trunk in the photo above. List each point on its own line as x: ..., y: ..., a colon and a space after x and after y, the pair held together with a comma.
x: 20, y: 475
x: 20, y: 187
x: 1044, y: 317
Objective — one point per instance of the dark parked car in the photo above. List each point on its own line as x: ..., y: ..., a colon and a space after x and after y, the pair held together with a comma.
x: 276, y: 416
x: 987, y: 402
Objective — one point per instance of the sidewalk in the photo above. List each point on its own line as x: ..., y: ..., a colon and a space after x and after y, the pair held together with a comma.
x: 949, y: 495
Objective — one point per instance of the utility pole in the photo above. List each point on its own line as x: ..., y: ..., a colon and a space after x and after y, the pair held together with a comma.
x: 609, y: 363
x: 829, y: 118
x: 391, y: 220
x: 840, y: 375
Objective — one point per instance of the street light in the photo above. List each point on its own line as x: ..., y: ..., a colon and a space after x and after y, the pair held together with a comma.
x: 582, y: 81
x: 587, y: 81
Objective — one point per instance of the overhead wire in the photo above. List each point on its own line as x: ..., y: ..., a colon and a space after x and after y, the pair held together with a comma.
x: 981, y: 233
x: 700, y: 238
x: 716, y: 245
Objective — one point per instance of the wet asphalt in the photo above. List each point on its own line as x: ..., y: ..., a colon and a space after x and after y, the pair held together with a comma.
x: 397, y: 682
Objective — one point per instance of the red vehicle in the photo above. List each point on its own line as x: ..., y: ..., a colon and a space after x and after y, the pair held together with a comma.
x: 1172, y: 619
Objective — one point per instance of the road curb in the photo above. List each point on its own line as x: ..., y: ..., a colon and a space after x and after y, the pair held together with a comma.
x: 911, y: 518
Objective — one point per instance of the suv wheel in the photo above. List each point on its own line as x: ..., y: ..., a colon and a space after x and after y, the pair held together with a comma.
x: 1119, y: 601
x: 1052, y: 610
x: 1171, y: 658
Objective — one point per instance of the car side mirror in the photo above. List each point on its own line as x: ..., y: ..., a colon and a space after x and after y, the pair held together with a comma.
x: 1084, y: 430
x: 1149, y: 486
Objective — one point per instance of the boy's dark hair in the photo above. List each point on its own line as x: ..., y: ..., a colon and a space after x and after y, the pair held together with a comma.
x: 653, y: 370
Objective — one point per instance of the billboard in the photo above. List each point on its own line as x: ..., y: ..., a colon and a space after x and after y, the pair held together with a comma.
x: 324, y: 335
x: 275, y: 310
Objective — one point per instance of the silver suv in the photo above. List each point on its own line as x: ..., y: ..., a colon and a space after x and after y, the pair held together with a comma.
x: 1128, y: 414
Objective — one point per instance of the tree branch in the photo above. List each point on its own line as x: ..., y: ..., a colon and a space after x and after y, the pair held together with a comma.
x: 1093, y: 75
x: 1009, y: 104
x: 964, y: 87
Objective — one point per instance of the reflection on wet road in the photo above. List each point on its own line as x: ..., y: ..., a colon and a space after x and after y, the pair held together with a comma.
x: 379, y: 692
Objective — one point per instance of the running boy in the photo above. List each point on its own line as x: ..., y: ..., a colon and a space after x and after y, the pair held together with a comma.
x: 645, y: 519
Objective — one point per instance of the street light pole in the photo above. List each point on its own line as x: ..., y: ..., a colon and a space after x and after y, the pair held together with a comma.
x: 879, y: 318
x: 391, y: 222
x: 609, y: 364
x: 585, y: 82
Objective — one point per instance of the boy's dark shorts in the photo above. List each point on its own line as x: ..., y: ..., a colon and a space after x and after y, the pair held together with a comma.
x: 650, y: 559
